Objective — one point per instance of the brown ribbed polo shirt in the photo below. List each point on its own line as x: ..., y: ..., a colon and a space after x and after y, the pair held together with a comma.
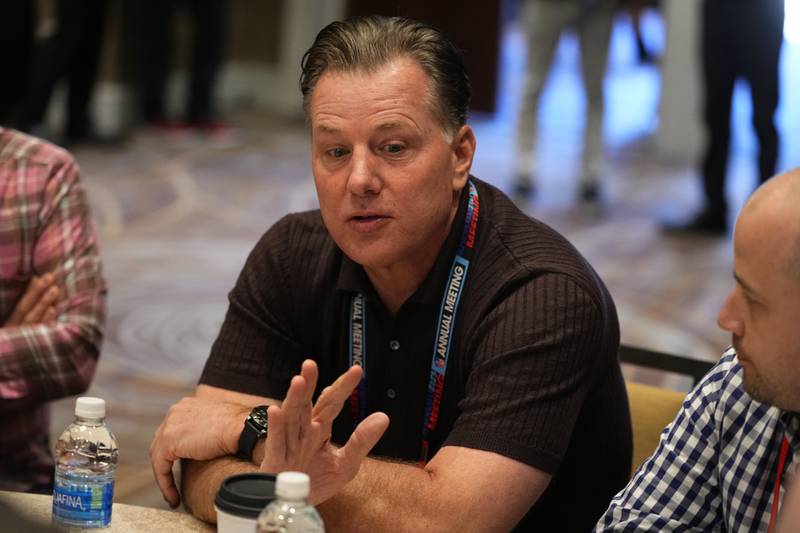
x: 533, y: 372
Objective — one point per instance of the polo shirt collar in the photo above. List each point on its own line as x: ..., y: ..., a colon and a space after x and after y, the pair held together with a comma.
x: 353, y: 277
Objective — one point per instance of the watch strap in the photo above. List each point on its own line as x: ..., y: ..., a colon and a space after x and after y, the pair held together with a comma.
x: 255, y: 428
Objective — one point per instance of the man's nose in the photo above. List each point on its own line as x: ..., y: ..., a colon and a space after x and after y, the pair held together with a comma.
x: 729, y: 318
x: 363, y: 179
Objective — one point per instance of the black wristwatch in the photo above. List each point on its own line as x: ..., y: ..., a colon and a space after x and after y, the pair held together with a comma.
x: 255, y: 427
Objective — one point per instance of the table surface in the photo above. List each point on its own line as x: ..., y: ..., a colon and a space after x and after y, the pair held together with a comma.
x: 124, y: 518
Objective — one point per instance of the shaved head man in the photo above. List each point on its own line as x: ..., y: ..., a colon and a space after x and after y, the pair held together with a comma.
x: 721, y: 465
x: 763, y: 309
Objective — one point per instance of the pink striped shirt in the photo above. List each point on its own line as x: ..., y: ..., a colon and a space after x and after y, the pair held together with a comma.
x: 45, y: 226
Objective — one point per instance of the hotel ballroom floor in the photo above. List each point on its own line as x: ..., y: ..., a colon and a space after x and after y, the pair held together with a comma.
x: 178, y: 217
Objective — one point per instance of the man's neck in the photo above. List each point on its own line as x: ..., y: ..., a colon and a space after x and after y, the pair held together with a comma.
x: 395, y: 286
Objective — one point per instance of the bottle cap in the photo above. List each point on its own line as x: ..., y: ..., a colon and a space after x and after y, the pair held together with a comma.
x: 88, y: 407
x: 292, y: 485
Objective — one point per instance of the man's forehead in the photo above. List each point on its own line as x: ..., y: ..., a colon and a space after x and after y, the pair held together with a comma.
x: 401, y: 74
x: 765, y: 239
x: 397, y: 97
x: 328, y: 126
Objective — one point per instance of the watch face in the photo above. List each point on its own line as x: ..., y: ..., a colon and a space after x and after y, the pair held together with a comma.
x: 259, y: 416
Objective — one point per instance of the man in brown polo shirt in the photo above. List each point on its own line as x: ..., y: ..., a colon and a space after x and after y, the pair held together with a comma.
x: 469, y: 349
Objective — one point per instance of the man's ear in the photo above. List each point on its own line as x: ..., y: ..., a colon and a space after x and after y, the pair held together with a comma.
x: 463, y: 144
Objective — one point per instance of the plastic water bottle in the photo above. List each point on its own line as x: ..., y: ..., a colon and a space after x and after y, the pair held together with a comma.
x: 86, y: 458
x: 290, y: 511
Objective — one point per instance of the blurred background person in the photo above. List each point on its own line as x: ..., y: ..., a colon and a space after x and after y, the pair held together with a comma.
x: 52, y: 302
x: 16, y: 34
x: 740, y: 39
x: 544, y: 21
x: 634, y: 9
x: 68, y: 49
x: 155, y: 39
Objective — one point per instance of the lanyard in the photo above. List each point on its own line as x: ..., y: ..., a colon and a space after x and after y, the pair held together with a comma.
x: 777, y: 493
x: 444, y: 330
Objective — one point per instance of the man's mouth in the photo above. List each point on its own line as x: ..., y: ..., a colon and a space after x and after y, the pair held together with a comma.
x: 367, y: 223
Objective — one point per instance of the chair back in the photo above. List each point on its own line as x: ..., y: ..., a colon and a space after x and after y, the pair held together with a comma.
x: 653, y: 408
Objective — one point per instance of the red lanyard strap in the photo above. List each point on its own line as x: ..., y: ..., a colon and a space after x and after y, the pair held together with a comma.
x: 777, y: 493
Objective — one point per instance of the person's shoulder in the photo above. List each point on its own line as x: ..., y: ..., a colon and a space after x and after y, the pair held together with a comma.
x: 45, y: 167
x: 300, y: 234
x: 532, y: 243
x: 529, y: 247
x: 18, y: 146
x: 301, y: 224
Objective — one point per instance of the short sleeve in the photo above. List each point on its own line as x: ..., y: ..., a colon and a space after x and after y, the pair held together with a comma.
x: 533, y: 365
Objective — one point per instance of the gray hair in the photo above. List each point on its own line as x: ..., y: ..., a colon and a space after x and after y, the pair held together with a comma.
x: 368, y: 43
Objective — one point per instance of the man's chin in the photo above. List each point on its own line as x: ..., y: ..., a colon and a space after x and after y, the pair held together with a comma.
x: 753, y: 385
x: 749, y: 388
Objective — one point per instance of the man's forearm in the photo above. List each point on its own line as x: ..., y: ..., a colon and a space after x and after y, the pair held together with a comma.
x: 23, y: 379
x: 200, y: 481
x: 384, y: 493
x: 389, y: 496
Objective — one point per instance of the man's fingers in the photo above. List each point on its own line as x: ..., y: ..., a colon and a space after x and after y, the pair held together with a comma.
x: 40, y: 294
x: 310, y: 373
x: 162, y: 469
x: 332, y: 399
x: 36, y: 285
x: 364, y: 438
x: 36, y: 314
x: 275, y: 445
x: 292, y: 408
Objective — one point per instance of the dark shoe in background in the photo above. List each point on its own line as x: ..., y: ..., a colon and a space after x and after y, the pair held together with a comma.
x: 589, y: 192
x: 705, y: 223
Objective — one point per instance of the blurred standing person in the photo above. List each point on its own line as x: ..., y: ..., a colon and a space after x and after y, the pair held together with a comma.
x: 71, y: 52
x: 740, y: 38
x: 635, y: 9
x: 16, y: 33
x: 209, y: 36
x: 544, y: 22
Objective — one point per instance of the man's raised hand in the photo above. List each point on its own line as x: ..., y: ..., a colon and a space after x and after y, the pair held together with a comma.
x: 299, y: 433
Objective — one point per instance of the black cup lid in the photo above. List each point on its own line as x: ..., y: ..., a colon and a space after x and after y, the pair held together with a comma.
x: 245, y: 494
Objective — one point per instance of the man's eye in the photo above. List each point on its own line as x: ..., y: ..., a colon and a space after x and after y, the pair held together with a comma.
x: 393, y: 148
x: 337, y: 152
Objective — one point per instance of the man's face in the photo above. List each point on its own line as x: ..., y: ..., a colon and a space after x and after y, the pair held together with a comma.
x: 386, y: 174
x: 763, y: 310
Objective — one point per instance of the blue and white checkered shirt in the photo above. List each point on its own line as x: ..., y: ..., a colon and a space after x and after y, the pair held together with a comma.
x: 715, y: 465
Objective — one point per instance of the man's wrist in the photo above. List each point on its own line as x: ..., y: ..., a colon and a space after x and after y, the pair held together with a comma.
x: 234, y: 430
x: 258, y: 452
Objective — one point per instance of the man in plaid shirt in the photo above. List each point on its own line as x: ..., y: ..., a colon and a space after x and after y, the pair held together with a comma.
x: 52, y: 301
x: 722, y: 465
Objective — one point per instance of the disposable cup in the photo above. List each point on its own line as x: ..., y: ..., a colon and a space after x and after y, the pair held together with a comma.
x: 240, y: 499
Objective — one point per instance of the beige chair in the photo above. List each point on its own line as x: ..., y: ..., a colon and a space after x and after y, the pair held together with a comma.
x: 652, y: 408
